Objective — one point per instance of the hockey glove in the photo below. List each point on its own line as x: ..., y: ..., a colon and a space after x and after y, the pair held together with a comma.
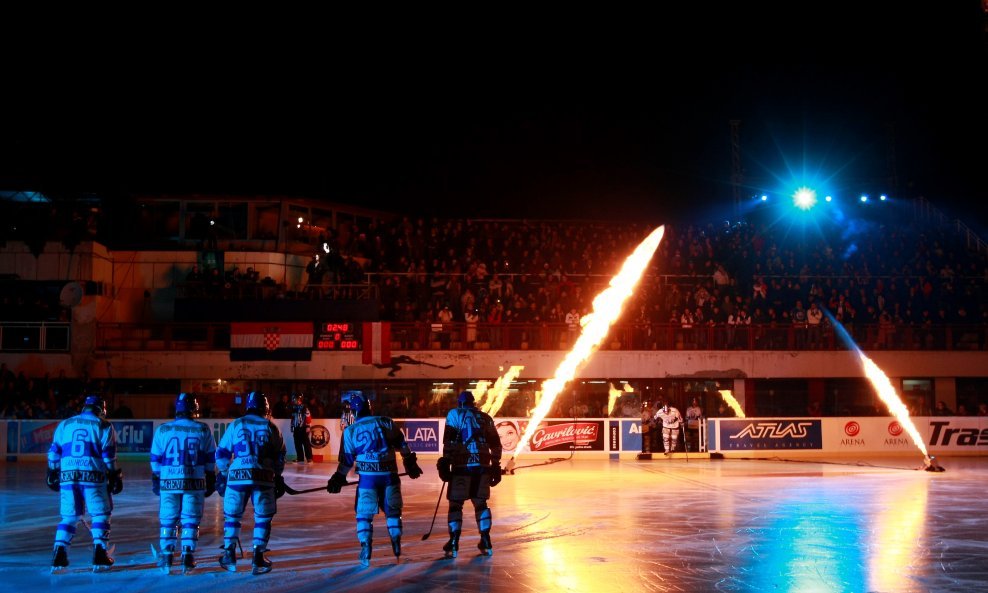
x: 445, y: 469
x: 156, y: 484
x: 495, y: 475
x: 53, y: 479
x: 336, y: 483
x: 412, y: 466
x: 221, y: 484
x: 210, y: 483
x: 114, y: 480
x: 279, y: 486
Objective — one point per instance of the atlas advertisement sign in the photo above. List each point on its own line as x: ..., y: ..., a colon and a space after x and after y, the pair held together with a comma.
x: 770, y: 434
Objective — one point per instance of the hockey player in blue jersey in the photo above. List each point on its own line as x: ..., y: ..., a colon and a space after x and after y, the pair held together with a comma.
x: 82, y: 468
x: 471, y: 464
x: 250, y: 459
x: 369, y: 443
x: 183, y: 456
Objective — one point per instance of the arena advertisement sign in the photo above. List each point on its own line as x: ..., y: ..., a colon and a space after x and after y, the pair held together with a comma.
x: 771, y: 434
x: 567, y: 435
x: 958, y: 434
x: 36, y: 436
x: 133, y: 436
x: 631, y: 435
x: 421, y: 435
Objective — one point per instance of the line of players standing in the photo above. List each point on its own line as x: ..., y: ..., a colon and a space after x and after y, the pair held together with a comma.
x: 250, y: 460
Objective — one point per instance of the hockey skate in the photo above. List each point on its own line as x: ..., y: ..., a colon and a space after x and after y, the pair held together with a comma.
x: 453, y: 545
x: 188, y: 560
x: 59, y: 559
x: 485, y: 546
x: 260, y: 565
x: 396, y: 545
x: 229, y: 558
x: 365, y: 553
x: 101, y: 560
x: 163, y: 559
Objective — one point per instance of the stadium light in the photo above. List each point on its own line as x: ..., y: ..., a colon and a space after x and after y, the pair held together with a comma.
x: 804, y: 198
x: 864, y: 198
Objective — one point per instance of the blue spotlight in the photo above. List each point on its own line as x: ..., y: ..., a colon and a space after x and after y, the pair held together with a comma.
x: 883, y: 197
x: 764, y: 198
x: 804, y: 198
x: 864, y: 199
x: 829, y: 199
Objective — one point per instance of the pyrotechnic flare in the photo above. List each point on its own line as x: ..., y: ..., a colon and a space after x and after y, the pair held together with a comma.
x: 614, y: 394
x: 499, y: 391
x: 883, y: 387
x: 733, y: 403
x: 606, y: 309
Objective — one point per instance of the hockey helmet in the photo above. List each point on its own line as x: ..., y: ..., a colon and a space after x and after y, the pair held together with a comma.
x: 360, y: 405
x: 258, y: 403
x: 296, y: 399
x: 187, y: 406
x: 465, y: 399
x: 95, y: 404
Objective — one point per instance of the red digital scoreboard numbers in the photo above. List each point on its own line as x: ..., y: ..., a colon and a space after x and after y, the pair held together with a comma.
x: 337, y: 336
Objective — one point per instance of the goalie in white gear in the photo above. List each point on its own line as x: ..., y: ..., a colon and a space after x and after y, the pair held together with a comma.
x: 671, y: 420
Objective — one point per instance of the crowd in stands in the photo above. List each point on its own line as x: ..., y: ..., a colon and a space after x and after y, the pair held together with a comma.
x: 39, y: 398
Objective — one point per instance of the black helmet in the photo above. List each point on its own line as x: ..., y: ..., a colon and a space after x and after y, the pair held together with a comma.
x: 187, y: 406
x: 257, y: 402
x: 360, y: 405
x: 96, y: 404
x: 465, y: 399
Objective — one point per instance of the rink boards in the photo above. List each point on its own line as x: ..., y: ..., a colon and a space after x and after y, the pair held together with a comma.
x: 592, y: 437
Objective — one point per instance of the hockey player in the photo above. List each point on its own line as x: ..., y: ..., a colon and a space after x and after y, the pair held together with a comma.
x: 183, y: 454
x: 671, y: 420
x: 370, y: 443
x: 301, y: 423
x: 250, y: 459
x: 471, y: 463
x: 82, y: 467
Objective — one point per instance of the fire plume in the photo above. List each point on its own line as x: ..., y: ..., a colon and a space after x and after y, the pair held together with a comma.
x: 499, y: 391
x: 607, y: 307
x: 732, y: 402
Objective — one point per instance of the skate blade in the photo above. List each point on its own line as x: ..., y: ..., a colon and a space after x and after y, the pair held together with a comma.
x: 229, y: 567
x: 365, y: 562
x: 102, y: 567
x: 58, y: 569
x: 448, y: 555
x: 260, y: 570
x: 486, y: 552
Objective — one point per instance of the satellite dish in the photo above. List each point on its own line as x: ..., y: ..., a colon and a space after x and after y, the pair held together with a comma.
x: 71, y: 295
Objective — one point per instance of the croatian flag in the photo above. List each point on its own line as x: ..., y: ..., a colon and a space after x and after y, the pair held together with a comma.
x: 377, y: 342
x: 271, y: 341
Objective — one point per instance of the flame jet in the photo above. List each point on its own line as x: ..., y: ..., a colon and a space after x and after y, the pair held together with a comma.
x: 499, y: 391
x: 883, y: 387
x: 606, y: 309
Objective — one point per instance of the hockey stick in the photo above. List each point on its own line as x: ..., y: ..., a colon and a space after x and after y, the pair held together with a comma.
x: 294, y: 492
x: 686, y: 444
x: 436, y: 512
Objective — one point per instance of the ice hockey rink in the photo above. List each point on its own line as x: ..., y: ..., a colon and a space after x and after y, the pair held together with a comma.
x: 679, y: 524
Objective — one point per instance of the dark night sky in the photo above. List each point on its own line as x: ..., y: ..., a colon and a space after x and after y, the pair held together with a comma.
x: 573, y: 116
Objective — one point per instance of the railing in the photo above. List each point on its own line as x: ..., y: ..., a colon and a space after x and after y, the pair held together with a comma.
x: 525, y: 336
x: 31, y: 336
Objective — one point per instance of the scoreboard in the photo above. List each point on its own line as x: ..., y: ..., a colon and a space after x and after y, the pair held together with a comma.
x: 337, y: 336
